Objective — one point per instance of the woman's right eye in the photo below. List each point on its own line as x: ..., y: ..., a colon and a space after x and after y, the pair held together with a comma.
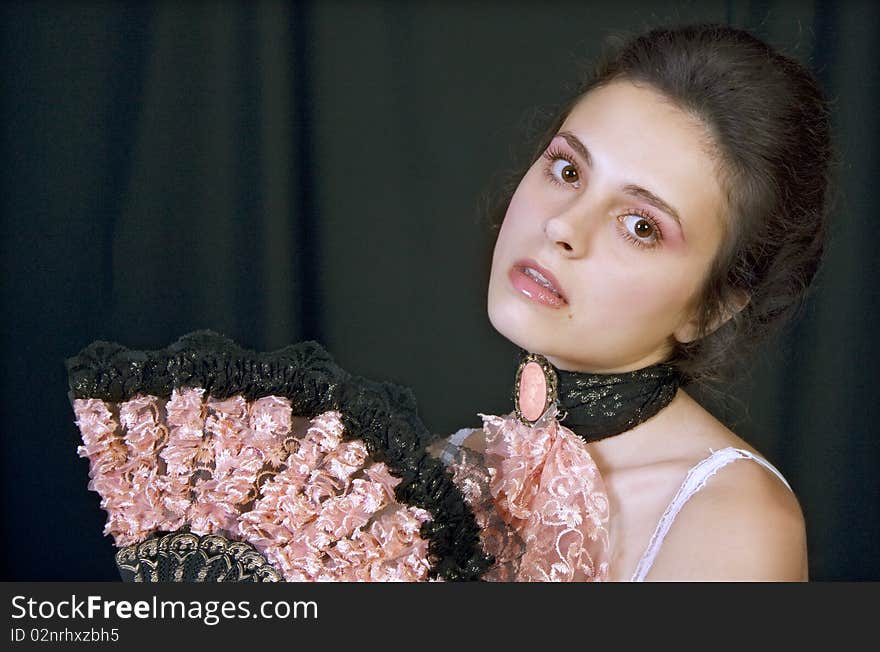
x: 561, y: 170
x: 565, y: 171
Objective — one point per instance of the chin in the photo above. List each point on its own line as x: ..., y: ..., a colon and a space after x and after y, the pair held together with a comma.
x: 511, y: 325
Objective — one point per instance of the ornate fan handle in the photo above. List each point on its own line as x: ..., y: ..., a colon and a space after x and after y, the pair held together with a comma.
x: 182, y: 556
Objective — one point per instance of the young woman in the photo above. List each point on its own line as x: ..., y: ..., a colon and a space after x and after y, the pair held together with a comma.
x: 673, y: 216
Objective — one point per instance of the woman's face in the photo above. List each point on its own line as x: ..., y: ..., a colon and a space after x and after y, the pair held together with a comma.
x: 622, y: 216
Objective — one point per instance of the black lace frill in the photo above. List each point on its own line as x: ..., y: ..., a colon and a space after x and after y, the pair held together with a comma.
x: 381, y: 414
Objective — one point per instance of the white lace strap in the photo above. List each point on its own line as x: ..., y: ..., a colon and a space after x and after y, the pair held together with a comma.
x: 453, y: 443
x: 693, y: 482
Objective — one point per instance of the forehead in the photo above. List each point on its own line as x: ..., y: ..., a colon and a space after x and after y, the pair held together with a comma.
x: 636, y: 135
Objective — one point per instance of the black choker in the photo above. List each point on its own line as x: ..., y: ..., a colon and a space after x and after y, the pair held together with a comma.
x: 594, y: 406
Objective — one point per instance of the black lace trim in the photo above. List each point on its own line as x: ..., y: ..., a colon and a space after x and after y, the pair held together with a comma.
x: 381, y: 414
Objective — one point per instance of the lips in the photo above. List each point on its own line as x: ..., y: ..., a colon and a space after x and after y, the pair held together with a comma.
x: 537, y: 283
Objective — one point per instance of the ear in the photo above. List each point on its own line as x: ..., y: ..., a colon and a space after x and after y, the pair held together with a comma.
x: 688, y: 331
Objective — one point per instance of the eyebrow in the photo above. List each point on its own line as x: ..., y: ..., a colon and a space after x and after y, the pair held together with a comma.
x: 631, y: 188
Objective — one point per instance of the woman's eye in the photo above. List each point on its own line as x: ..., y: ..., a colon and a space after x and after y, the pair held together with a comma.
x: 565, y: 171
x: 641, y: 228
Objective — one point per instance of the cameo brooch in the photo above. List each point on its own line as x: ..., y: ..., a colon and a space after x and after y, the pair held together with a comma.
x: 535, y: 389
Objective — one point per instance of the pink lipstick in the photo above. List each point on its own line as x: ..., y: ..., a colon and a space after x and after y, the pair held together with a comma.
x: 537, y: 283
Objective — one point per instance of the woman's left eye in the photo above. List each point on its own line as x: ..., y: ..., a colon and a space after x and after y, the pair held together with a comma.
x: 641, y: 229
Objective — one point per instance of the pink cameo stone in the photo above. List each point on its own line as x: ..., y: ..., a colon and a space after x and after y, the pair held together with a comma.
x: 532, y: 391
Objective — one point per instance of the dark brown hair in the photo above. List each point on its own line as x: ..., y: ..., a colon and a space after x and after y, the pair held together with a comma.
x: 770, y: 124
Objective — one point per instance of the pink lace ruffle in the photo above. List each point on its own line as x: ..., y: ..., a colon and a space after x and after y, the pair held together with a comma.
x: 314, y: 505
x: 539, y: 499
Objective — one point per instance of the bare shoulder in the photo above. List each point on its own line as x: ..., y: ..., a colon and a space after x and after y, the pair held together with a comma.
x: 745, y: 524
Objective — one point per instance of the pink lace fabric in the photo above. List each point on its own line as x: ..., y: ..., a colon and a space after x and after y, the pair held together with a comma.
x: 539, y: 499
x: 316, y: 506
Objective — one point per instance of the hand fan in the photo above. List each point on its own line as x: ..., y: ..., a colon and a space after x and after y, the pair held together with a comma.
x: 216, y: 463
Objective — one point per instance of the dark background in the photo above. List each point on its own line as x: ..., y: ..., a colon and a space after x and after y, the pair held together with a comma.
x: 320, y: 170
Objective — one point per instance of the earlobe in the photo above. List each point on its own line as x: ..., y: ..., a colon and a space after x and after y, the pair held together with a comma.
x: 689, y: 330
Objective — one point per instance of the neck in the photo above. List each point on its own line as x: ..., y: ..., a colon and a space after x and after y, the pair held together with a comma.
x: 660, y: 437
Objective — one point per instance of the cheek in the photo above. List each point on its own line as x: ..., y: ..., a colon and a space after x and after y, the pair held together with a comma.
x: 650, y: 296
x: 518, y: 225
x: 526, y: 205
x: 516, y: 210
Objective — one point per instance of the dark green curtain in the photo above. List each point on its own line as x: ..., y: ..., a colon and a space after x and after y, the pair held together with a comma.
x: 319, y: 170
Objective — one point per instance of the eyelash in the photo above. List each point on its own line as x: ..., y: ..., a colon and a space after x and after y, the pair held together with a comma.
x: 554, y: 154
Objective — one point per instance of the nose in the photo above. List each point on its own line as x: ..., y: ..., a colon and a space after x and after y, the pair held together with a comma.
x: 569, y: 230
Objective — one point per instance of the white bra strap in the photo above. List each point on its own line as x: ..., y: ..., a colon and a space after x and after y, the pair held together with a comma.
x: 695, y: 480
